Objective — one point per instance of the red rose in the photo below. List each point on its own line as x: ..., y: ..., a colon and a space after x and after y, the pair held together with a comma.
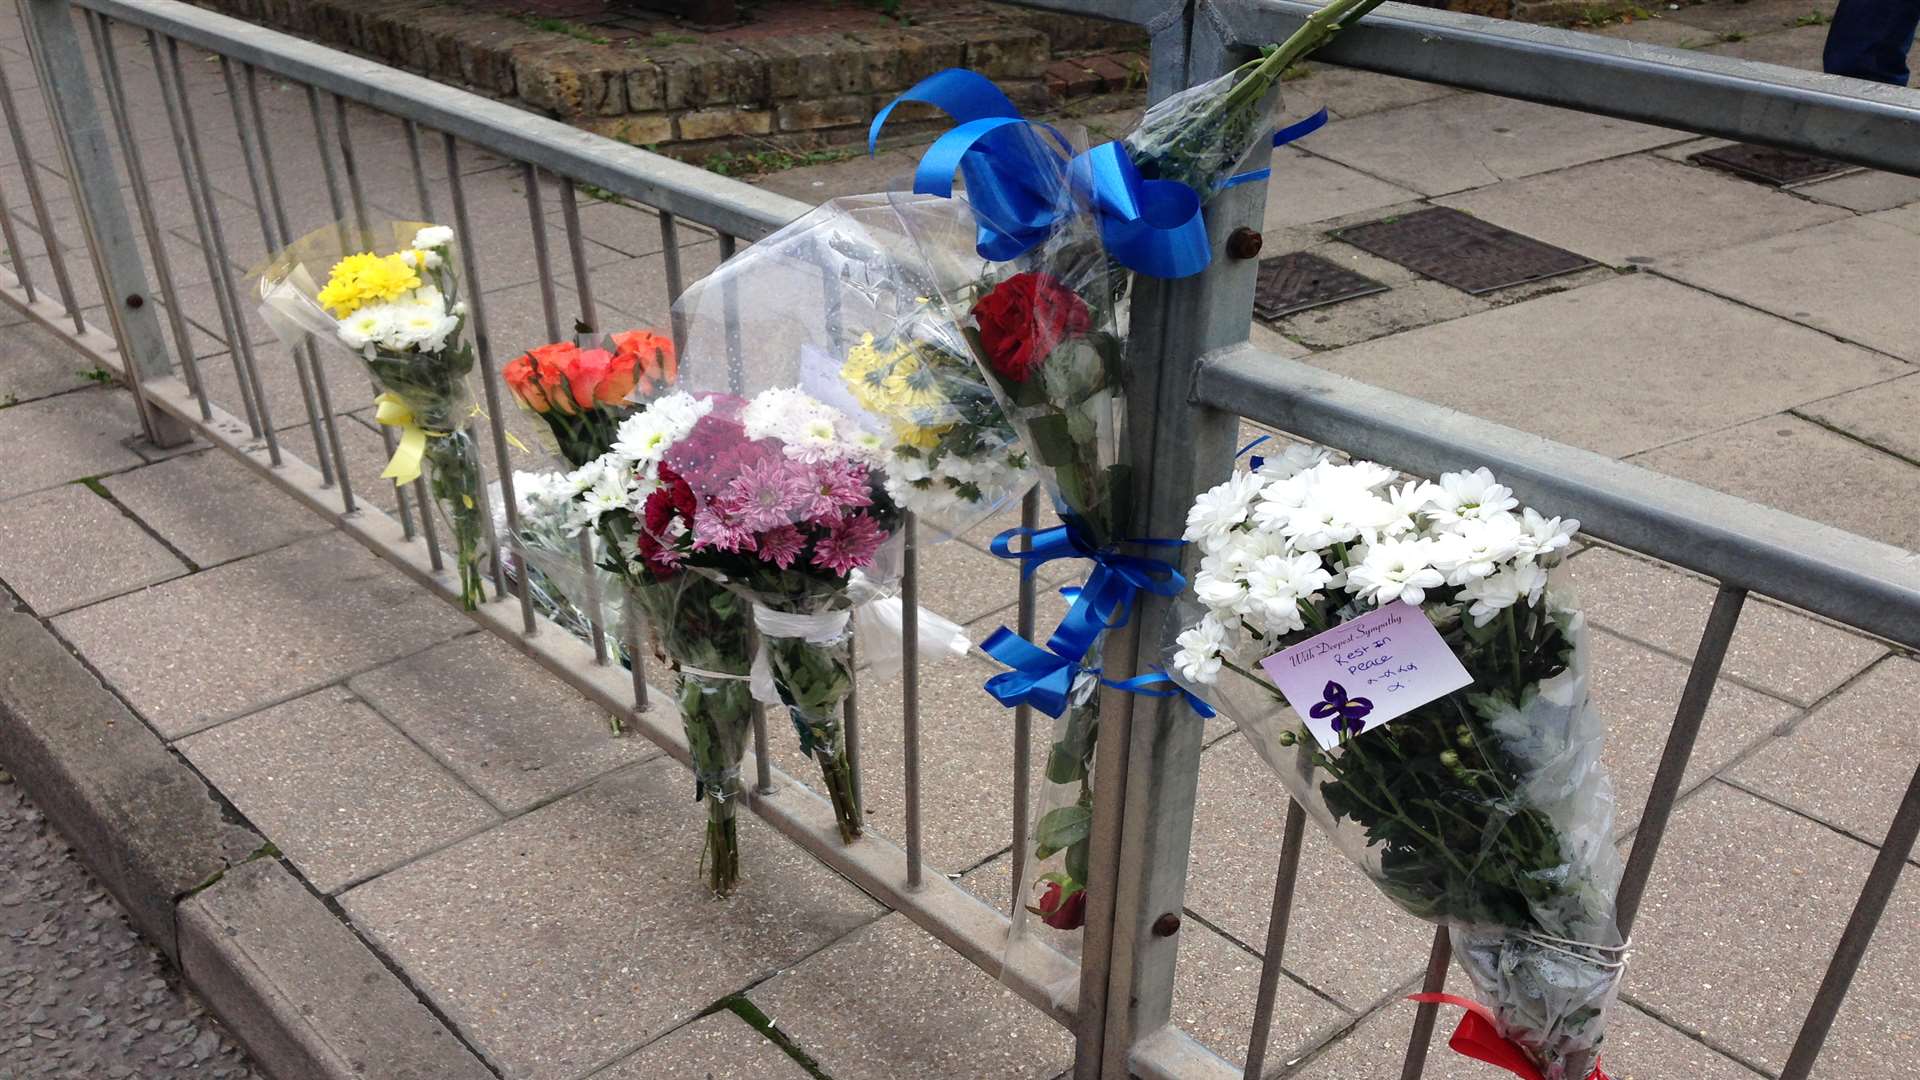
x: 1062, y: 913
x: 1023, y: 318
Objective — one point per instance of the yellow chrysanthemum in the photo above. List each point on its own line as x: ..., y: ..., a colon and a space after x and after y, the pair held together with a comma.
x: 366, y: 278
x: 920, y: 438
x: 865, y: 372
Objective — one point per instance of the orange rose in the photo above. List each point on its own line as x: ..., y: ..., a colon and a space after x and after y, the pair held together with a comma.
x: 621, y: 374
x: 521, y: 380
x: 655, y: 365
x: 586, y: 374
x: 553, y: 362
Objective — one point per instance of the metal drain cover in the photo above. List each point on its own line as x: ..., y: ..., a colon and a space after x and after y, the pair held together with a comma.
x: 1296, y: 282
x: 1461, y: 250
x: 1768, y: 165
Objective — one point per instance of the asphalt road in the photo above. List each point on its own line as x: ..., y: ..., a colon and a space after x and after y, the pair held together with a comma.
x: 82, y: 994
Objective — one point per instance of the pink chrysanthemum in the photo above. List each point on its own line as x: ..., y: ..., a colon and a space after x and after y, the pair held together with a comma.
x: 767, y: 494
x: 850, y: 545
x: 782, y: 545
x: 713, y: 528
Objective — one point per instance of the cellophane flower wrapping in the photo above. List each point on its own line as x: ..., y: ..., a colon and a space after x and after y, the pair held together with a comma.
x: 1485, y: 810
x: 565, y: 587
x: 390, y: 296
x: 837, y: 393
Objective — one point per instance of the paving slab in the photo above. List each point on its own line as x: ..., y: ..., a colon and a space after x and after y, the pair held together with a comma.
x: 616, y: 227
x: 635, y: 290
x: 1906, y: 217
x: 1639, y: 1047
x: 1215, y: 985
x: 1346, y: 939
x: 366, y: 460
x: 1850, y: 762
x: 1768, y: 461
x: 575, y: 934
x: 1751, y: 16
x: 1637, y: 690
x: 1786, y: 653
x: 1748, y: 896
x: 963, y: 583
x: 922, y: 1010
x: 1659, y: 29
x: 35, y: 364
x: 65, y: 547
x: 202, y: 649
x: 1306, y: 189
x: 501, y: 722
x: 339, y: 791
x: 1832, y: 277
x: 1641, y: 362
x: 1867, y: 191
x: 1641, y: 210
x: 1469, y: 141
x: 347, y: 383
x: 720, y: 1046
x: 307, y: 996
x: 1405, y: 306
x: 211, y: 507
x: 1793, y: 47
x: 1881, y: 416
x: 1349, y: 92
x: 890, y: 170
x: 966, y: 761
x: 60, y: 439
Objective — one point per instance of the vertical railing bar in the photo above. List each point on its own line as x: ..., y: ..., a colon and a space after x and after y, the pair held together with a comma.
x: 589, y: 318
x: 110, y: 303
x: 173, y: 95
x: 670, y: 259
x: 596, y: 611
x: 241, y: 347
x: 358, y: 195
x: 1421, y: 1038
x: 1271, y: 966
x: 102, y: 30
x: 319, y: 369
x: 850, y: 718
x: 1023, y: 714
x: 762, y: 755
x: 15, y: 255
x: 542, y: 258
x: 636, y: 615
x: 910, y: 691
x: 38, y: 199
x: 483, y: 348
x: 1852, y: 948
x: 1679, y: 751
x: 420, y: 186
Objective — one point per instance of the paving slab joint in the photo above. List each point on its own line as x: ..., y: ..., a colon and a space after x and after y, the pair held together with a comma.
x: 275, y: 962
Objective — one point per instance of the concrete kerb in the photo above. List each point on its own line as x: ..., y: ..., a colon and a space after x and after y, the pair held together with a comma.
x: 302, y: 992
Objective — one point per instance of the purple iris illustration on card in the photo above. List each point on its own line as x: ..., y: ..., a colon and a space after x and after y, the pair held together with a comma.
x: 1347, y: 715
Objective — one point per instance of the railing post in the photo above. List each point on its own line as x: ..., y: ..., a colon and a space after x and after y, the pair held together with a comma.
x: 1148, y: 761
x: 103, y: 213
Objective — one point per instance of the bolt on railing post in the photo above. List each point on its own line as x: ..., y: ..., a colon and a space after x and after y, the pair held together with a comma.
x: 103, y: 213
x: 1148, y: 754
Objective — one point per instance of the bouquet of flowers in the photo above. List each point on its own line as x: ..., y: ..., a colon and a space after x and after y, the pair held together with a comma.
x: 1484, y: 809
x: 781, y: 498
x: 582, y: 392
x: 393, y: 301
x: 566, y: 588
x: 628, y: 496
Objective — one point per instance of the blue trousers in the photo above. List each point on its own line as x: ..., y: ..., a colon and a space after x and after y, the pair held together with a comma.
x: 1870, y: 39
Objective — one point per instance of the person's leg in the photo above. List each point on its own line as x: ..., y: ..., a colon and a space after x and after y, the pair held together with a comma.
x: 1870, y: 39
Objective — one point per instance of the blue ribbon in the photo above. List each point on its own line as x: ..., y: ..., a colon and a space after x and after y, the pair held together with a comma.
x: 1037, y: 677
x: 1022, y: 179
x: 1161, y: 684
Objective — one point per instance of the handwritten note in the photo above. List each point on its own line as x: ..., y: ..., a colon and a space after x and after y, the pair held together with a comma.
x: 1366, y: 671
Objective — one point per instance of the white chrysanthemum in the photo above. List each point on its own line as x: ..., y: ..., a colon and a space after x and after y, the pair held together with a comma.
x: 368, y: 326
x: 1493, y: 594
x: 643, y: 439
x: 432, y: 237
x: 1342, y: 514
x: 1292, y: 461
x: 1219, y: 510
x: 1395, y: 570
x: 1221, y: 592
x: 1467, y: 495
x: 1358, y: 475
x: 1242, y: 549
x: 1275, y: 586
x: 1198, y: 658
x: 1544, y: 535
x: 1475, y: 548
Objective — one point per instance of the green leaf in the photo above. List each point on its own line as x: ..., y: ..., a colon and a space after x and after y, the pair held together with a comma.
x: 1052, y: 439
x: 1064, y: 765
x: 1061, y: 827
x: 1077, y: 858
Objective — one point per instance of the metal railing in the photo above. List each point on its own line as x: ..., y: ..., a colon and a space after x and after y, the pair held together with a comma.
x: 1184, y: 404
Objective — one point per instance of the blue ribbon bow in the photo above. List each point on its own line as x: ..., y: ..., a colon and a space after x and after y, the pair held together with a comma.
x: 1023, y: 179
x: 1160, y: 684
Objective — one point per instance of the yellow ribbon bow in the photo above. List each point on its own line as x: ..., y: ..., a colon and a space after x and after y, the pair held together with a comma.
x: 404, y: 466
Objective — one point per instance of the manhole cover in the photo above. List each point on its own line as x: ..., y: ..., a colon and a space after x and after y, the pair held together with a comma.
x: 1296, y: 282
x: 1767, y: 165
x: 1461, y: 250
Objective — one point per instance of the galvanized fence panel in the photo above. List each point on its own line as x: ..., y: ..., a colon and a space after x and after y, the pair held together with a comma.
x: 1192, y: 372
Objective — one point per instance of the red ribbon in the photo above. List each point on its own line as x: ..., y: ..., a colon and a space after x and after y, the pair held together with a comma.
x: 1478, y: 1037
